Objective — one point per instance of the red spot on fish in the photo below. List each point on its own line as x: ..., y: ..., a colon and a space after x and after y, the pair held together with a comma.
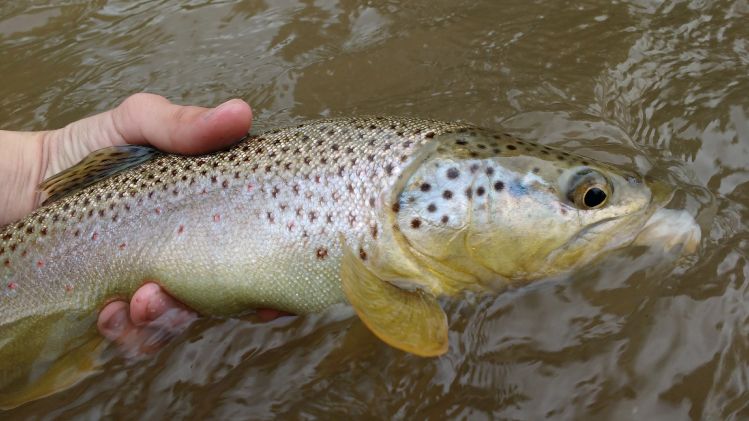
x: 181, y: 229
x: 122, y: 246
x: 250, y: 187
x: 157, y: 211
x: 12, y: 285
x: 94, y: 236
x: 23, y: 253
x: 6, y: 263
x: 39, y: 264
x: 68, y: 288
x: 216, y: 218
x: 290, y: 225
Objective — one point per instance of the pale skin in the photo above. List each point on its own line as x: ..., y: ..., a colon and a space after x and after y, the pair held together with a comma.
x: 28, y: 158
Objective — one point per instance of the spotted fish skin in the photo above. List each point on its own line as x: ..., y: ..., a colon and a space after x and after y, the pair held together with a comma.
x: 257, y: 225
x: 261, y: 224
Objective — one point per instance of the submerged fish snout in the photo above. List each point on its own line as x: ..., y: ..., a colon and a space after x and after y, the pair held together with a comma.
x: 671, y: 229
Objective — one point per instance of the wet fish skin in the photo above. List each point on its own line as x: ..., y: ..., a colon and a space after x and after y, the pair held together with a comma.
x: 263, y: 216
x: 264, y: 224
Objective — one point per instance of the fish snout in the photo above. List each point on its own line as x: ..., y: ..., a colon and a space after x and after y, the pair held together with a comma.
x: 672, y: 230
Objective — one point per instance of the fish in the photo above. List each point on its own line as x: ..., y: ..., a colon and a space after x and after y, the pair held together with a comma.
x: 386, y: 214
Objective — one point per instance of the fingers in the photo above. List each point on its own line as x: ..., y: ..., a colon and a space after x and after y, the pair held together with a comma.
x: 268, y: 314
x: 150, y: 302
x: 152, y: 119
x: 114, y: 321
x: 146, y: 324
x: 151, y: 319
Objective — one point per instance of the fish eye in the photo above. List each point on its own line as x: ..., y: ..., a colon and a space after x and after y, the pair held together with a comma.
x: 590, y: 190
x: 594, y: 197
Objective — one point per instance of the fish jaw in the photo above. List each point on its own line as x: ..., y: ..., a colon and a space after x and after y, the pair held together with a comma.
x: 671, y: 230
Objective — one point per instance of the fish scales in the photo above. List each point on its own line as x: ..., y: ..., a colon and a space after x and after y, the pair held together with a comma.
x: 273, y: 205
x: 256, y: 225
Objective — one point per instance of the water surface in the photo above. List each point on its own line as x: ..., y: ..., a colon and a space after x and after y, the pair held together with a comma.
x: 662, y: 84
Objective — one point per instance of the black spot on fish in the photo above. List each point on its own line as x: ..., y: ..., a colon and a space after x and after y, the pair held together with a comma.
x: 447, y: 194
x: 453, y: 173
x: 432, y: 207
x: 425, y: 187
x: 415, y: 223
x: 480, y: 191
x: 511, y: 147
x: 499, y: 186
x: 321, y: 253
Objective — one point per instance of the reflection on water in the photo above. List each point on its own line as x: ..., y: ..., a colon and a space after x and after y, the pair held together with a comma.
x: 658, y: 85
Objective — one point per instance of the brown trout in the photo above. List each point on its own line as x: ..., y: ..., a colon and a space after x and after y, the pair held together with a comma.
x: 383, y: 213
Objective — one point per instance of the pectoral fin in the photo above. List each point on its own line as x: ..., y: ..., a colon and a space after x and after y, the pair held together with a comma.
x: 412, y: 321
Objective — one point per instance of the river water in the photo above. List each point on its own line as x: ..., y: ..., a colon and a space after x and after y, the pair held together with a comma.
x: 626, y: 338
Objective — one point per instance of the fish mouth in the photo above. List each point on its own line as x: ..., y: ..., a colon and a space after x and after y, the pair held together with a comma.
x: 673, y: 230
x: 670, y: 230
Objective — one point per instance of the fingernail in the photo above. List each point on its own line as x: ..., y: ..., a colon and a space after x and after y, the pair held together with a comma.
x: 212, y: 112
x: 116, y: 323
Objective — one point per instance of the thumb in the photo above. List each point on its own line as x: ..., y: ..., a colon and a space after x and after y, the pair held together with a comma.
x: 148, y: 119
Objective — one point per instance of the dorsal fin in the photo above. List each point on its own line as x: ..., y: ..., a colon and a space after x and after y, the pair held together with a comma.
x: 98, y: 165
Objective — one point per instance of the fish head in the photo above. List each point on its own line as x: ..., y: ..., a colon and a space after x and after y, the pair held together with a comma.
x: 485, y: 211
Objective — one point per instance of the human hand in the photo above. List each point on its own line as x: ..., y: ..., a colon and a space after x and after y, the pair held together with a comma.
x: 28, y: 158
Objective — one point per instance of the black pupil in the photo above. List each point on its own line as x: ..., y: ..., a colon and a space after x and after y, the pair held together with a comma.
x: 594, y: 197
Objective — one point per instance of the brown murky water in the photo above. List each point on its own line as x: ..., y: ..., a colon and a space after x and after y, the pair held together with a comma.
x: 628, y: 338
